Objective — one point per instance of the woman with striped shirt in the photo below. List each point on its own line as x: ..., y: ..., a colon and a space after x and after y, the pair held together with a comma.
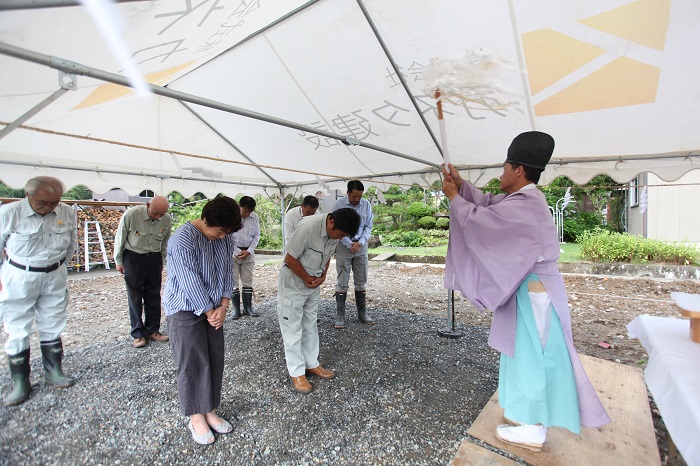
x: 197, y: 295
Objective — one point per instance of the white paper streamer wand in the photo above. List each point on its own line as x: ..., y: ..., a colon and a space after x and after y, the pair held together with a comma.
x: 471, y: 80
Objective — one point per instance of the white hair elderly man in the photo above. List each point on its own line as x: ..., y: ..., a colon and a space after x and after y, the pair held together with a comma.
x: 37, y: 236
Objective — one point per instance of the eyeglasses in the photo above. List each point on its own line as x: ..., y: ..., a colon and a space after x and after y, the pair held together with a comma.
x: 41, y: 203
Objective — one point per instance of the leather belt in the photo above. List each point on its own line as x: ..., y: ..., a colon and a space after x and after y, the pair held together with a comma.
x: 142, y: 254
x: 29, y: 268
x: 243, y: 247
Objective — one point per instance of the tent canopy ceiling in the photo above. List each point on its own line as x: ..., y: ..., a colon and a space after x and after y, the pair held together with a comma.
x: 285, y: 95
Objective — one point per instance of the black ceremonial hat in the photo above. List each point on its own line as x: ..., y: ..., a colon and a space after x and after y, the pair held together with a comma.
x: 531, y: 149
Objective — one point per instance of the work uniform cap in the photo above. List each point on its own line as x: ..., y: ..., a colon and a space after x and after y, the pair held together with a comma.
x: 531, y: 149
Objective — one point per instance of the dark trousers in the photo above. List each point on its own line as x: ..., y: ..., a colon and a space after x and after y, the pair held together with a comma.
x: 143, y: 275
x: 198, y: 352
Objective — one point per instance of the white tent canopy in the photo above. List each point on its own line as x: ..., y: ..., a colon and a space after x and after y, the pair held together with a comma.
x: 291, y: 96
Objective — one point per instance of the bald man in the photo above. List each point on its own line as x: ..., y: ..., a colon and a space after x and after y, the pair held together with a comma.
x: 140, y: 247
x: 37, y: 237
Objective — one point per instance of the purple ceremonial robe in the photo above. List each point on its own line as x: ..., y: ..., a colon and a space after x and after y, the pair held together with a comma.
x: 495, y: 243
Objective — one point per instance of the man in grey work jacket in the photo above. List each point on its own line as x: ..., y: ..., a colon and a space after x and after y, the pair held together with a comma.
x: 140, y: 247
x: 37, y: 236
x: 351, y: 255
x: 308, y: 254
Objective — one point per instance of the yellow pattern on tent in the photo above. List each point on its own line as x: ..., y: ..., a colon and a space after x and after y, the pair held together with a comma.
x: 107, y: 92
x: 622, y: 82
x: 550, y: 56
x: 644, y: 22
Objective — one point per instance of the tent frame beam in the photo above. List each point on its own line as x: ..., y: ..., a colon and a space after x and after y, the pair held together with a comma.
x: 225, y: 139
x: 404, y: 84
x: 83, y: 70
x: 159, y: 176
x: 32, y: 4
x: 31, y: 112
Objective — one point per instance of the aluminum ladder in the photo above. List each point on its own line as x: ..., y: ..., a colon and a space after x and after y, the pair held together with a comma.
x: 94, y: 237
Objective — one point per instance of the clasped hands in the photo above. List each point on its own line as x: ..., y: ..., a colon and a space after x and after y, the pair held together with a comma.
x: 217, y: 316
x: 316, y: 281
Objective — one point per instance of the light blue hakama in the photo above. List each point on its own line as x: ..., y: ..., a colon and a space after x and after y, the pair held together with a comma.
x: 537, y: 386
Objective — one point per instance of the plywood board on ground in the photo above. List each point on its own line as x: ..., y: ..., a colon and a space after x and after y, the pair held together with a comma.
x: 628, y: 439
x: 384, y: 256
x: 470, y: 454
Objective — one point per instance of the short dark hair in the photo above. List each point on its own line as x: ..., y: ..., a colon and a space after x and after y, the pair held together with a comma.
x: 531, y: 173
x: 247, y: 202
x: 346, y: 220
x: 222, y: 212
x: 310, y: 201
x: 355, y: 185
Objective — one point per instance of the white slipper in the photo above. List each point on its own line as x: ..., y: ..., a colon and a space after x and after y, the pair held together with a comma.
x: 525, y: 436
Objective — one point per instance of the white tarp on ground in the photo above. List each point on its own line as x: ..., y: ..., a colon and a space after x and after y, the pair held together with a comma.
x: 616, y: 82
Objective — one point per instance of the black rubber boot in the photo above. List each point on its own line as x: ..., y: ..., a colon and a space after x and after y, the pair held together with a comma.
x: 236, y: 301
x: 361, y: 302
x: 52, y: 356
x: 340, y: 314
x: 19, y: 371
x: 248, y: 302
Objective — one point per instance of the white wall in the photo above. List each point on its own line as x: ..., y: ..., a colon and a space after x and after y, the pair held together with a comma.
x: 674, y: 208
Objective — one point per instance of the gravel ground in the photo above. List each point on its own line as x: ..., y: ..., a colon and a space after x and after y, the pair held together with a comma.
x: 402, y: 395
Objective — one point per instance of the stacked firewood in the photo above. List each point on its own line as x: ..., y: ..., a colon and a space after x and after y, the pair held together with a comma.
x: 108, y: 221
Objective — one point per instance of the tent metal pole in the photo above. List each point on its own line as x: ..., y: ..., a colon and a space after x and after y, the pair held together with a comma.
x: 125, y: 172
x: 245, y: 156
x: 272, y: 24
x: 398, y: 73
x: 33, y: 111
x: 31, y: 4
x: 82, y: 70
x: 450, y: 331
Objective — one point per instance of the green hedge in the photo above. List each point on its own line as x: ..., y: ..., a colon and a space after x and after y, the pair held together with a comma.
x: 416, y: 238
x: 606, y: 246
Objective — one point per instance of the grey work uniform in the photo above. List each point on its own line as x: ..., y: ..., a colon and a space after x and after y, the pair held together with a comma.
x: 297, y: 305
x: 33, y: 272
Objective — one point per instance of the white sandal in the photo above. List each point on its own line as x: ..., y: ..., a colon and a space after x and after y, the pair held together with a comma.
x: 224, y: 428
x: 202, y: 439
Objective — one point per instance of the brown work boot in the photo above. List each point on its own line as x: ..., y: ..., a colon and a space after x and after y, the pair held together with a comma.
x: 321, y: 372
x: 301, y: 385
x: 139, y: 342
x: 158, y: 337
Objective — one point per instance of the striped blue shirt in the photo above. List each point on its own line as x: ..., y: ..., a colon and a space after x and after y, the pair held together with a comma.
x: 199, y: 271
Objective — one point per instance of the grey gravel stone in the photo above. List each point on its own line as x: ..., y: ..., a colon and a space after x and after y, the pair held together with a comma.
x: 403, y: 395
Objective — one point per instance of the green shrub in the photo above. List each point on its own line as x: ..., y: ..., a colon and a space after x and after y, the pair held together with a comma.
x: 580, y: 222
x: 605, y: 246
x: 405, y: 239
x: 443, y: 223
x: 182, y: 214
x: 435, y: 237
x: 419, y: 210
x: 427, y: 222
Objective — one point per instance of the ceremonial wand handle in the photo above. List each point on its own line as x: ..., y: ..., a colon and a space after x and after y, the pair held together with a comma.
x: 443, y: 131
